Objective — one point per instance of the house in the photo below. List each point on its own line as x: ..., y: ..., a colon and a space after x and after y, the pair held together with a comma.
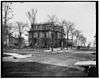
x: 46, y: 34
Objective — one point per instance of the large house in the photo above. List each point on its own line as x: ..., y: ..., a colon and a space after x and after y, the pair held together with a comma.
x: 46, y: 35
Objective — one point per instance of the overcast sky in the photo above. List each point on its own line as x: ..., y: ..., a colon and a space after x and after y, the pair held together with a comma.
x: 81, y: 13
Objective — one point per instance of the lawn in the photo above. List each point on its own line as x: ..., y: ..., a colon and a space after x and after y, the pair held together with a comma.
x: 34, y: 69
x: 46, y: 64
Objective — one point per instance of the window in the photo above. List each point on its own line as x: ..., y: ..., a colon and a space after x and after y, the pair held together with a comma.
x: 40, y: 27
x: 36, y: 27
x: 41, y: 35
x: 43, y: 27
x: 35, y: 35
x: 59, y: 35
x: 49, y: 34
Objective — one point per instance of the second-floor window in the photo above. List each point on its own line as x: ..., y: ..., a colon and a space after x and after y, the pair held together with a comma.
x: 41, y: 35
x: 36, y: 35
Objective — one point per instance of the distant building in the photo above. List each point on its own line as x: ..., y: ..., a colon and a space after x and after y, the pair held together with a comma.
x: 46, y: 34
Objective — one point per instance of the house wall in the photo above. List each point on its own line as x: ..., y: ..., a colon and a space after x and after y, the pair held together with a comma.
x: 43, y: 36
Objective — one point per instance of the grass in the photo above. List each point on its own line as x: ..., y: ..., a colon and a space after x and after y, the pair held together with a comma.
x: 34, y: 69
x: 46, y: 64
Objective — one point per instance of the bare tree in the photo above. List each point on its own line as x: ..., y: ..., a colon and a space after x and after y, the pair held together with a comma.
x: 32, y: 18
x: 53, y: 20
x: 69, y: 28
x: 21, y: 29
x: 6, y: 16
x: 77, y: 35
x: 82, y: 39
x: 62, y: 31
x: 72, y: 33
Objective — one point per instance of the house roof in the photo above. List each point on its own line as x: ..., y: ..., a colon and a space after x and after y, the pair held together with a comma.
x: 57, y: 27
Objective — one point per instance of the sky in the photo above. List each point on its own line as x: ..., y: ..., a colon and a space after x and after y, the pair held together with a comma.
x: 82, y: 14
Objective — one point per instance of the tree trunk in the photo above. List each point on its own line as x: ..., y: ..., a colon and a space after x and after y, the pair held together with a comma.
x: 72, y: 42
x: 52, y: 37
x: 45, y: 40
x: 52, y: 41
x: 61, y: 40
x: 67, y: 40
x: 5, y: 28
x: 62, y: 45
x: 20, y: 41
x: 32, y: 35
x: 38, y: 43
x: 77, y: 41
x: 7, y: 40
